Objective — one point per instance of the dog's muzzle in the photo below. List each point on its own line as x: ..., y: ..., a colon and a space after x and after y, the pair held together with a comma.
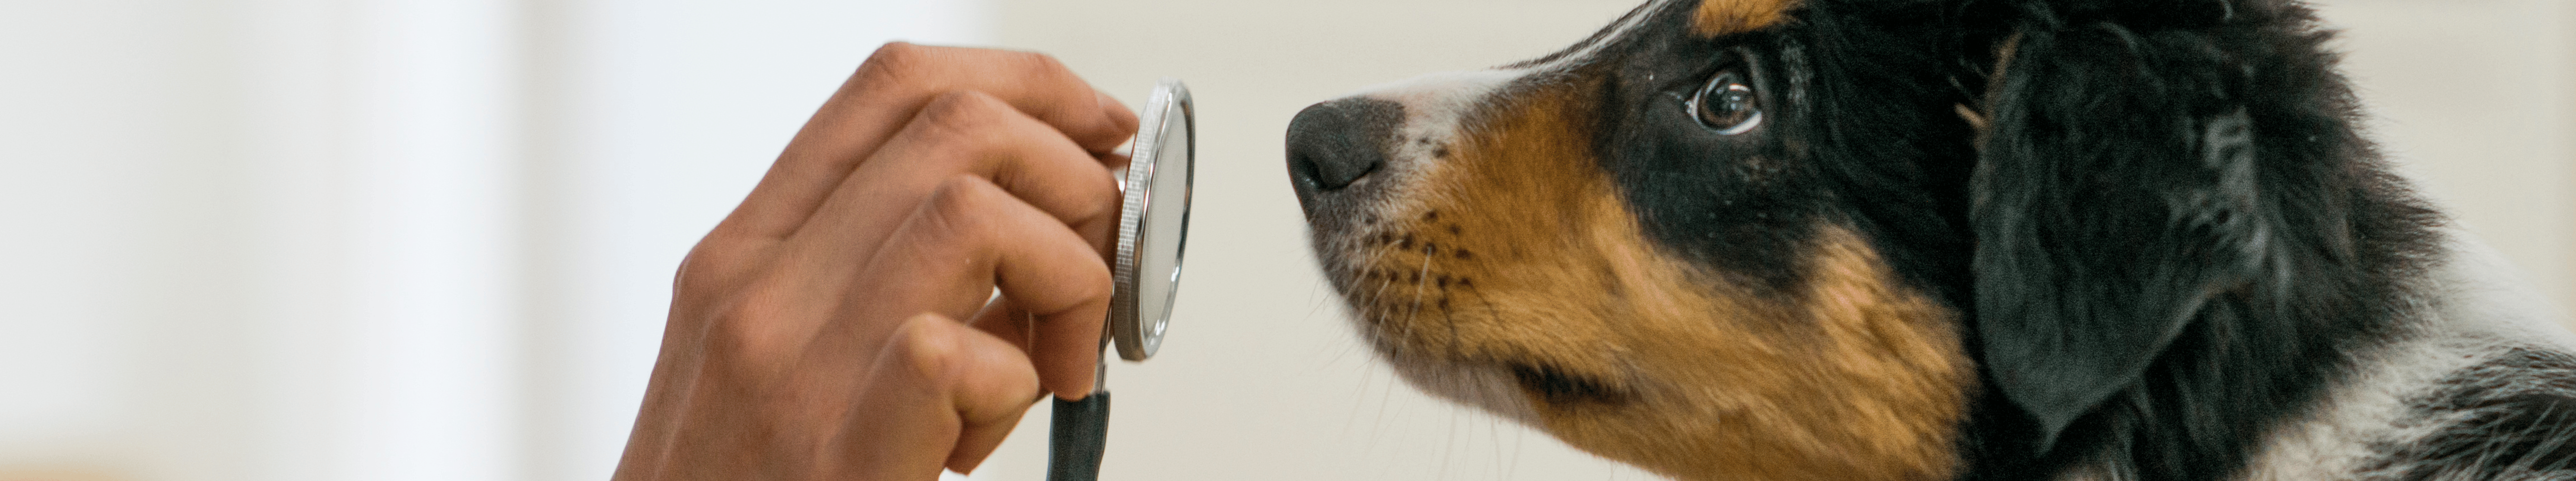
x: 1337, y: 144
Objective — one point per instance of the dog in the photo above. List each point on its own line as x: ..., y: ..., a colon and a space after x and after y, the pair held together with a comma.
x: 1919, y: 240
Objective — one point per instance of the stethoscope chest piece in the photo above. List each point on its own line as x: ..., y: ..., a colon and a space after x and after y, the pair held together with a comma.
x: 1153, y: 224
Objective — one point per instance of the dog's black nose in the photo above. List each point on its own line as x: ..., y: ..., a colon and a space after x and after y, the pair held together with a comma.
x: 1332, y: 144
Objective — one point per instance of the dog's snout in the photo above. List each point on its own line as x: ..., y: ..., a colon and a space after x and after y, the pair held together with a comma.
x: 1335, y: 143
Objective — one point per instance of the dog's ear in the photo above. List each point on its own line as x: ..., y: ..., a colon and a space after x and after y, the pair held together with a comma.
x: 2120, y: 200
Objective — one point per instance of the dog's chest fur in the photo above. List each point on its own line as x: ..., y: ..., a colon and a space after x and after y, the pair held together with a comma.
x: 2480, y: 389
x: 1920, y: 239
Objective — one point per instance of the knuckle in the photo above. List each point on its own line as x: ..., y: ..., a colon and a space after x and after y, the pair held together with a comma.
x: 963, y: 195
x: 967, y: 114
x: 928, y: 349
x: 1093, y: 284
x: 746, y: 332
x: 1048, y: 65
x: 1069, y: 286
x: 741, y: 325
x: 713, y: 259
x: 719, y: 266
x: 699, y: 267
x: 695, y: 277
x: 1036, y: 63
x: 961, y: 209
x: 894, y: 62
x: 895, y: 51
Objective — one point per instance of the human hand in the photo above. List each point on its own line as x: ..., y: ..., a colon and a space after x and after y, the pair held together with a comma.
x: 814, y: 333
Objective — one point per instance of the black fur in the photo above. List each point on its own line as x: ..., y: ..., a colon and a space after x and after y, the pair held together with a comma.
x: 2178, y: 233
x: 1856, y: 131
x: 1556, y: 387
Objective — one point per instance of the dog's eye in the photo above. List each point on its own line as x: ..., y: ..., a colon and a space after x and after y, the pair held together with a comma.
x: 1726, y: 104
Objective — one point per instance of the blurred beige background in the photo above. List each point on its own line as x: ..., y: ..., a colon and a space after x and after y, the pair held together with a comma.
x: 432, y: 239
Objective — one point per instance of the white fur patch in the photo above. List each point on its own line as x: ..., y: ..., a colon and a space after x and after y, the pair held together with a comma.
x: 2474, y: 308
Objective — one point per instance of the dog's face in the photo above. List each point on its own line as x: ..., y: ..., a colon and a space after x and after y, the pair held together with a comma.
x: 1768, y: 239
x: 1712, y: 238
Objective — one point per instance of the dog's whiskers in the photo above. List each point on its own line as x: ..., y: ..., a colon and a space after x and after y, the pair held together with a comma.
x: 1413, y: 317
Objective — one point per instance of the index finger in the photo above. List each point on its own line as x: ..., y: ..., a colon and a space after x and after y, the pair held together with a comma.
x: 892, y: 86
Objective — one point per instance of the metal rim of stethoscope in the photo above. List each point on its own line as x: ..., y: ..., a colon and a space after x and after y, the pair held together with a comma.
x: 1141, y: 302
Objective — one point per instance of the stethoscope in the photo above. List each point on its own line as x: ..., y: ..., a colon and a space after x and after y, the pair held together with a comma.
x: 1152, y: 225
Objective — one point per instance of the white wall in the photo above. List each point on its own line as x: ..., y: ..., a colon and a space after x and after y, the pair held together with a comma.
x: 260, y: 240
x: 431, y: 239
x: 108, y: 191
x: 374, y: 239
x: 2478, y: 99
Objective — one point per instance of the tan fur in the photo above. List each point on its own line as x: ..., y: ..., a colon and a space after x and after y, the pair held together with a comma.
x: 1519, y: 251
x: 1722, y: 17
